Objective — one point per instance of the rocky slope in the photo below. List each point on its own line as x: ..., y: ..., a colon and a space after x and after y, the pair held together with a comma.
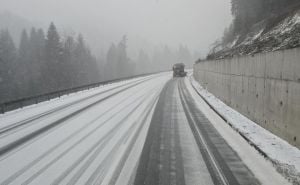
x: 274, y: 33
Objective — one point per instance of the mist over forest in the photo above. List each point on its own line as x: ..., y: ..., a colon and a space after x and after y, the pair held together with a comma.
x: 52, y: 45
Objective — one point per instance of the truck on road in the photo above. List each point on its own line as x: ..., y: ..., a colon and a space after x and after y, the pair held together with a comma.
x: 178, y: 70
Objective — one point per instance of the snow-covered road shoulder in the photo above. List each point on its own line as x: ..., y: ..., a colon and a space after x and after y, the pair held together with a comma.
x: 285, y: 157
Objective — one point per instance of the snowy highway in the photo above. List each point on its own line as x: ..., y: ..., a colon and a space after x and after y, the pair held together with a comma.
x: 149, y: 130
x: 191, y: 150
x: 78, y: 139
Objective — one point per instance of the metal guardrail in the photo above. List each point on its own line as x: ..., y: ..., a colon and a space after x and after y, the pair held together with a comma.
x: 31, y: 100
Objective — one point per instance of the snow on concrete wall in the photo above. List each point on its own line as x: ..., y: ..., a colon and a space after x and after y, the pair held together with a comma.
x: 264, y: 87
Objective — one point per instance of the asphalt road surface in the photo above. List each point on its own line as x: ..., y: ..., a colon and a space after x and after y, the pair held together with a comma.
x: 183, y: 147
x: 144, y: 131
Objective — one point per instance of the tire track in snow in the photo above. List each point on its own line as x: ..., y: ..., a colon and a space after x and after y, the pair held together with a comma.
x: 98, y: 176
x: 48, y: 152
x: 75, y: 164
x: 5, y: 131
x: 29, y: 180
x: 17, y: 143
x: 131, y: 145
x: 213, y: 167
x: 147, y: 171
x: 30, y: 142
x: 223, y: 163
x: 110, y: 156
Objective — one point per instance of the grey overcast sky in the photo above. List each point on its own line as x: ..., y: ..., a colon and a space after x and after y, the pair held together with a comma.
x: 194, y: 23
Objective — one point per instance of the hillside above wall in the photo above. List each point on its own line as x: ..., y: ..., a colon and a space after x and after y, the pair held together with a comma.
x: 274, y: 33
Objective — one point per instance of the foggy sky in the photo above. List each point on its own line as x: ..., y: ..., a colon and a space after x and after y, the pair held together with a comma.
x: 147, y: 23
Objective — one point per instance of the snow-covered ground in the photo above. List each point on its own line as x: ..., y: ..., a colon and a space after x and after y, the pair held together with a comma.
x: 89, y: 137
x: 285, y: 157
x: 97, y: 136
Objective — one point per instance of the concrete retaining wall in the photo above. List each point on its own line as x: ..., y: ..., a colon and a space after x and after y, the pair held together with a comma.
x: 265, y: 88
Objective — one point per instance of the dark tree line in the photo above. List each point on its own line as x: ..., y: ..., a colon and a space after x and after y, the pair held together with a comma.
x: 118, y: 64
x: 43, y: 63
x: 46, y: 62
x: 248, y: 12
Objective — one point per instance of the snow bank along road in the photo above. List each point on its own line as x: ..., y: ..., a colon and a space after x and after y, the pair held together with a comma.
x: 147, y: 130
